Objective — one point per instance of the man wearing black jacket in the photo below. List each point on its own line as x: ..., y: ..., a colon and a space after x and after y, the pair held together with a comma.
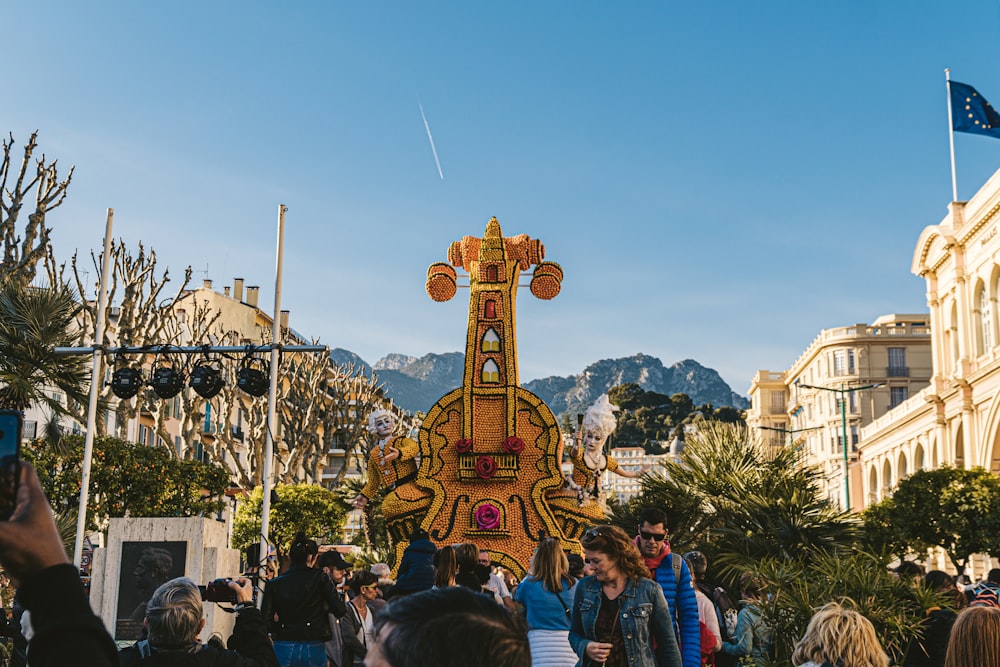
x: 174, y: 621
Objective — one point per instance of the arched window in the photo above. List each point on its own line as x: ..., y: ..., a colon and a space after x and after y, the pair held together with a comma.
x: 492, y: 273
x: 491, y: 373
x: 953, y: 334
x: 491, y: 341
x: 490, y: 309
x: 985, y: 320
x: 918, y: 458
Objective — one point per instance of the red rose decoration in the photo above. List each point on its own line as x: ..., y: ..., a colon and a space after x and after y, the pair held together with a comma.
x: 487, y: 517
x: 486, y: 467
x: 464, y: 445
x: 513, y: 445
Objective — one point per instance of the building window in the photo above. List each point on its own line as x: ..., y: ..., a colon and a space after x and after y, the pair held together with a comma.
x: 491, y: 341
x: 777, y: 402
x: 490, y: 309
x: 897, y: 363
x: 897, y: 395
x: 491, y: 373
x: 492, y: 273
x: 843, y: 362
x: 985, y: 321
x: 208, y: 418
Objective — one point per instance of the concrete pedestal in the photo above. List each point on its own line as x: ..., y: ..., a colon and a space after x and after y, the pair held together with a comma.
x: 142, y: 553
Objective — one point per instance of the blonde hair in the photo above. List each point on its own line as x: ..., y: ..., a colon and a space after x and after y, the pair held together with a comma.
x: 841, y: 637
x: 551, y: 566
x: 975, y: 639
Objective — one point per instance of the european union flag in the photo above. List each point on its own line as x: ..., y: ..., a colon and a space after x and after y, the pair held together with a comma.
x: 970, y: 112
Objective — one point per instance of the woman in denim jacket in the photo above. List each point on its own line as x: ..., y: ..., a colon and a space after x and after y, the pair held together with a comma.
x: 620, y: 618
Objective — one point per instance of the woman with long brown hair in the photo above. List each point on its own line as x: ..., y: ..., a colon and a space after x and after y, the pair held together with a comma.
x: 620, y: 617
x: 445, y: 567
x: 975, y: 639
x: 547, y: 597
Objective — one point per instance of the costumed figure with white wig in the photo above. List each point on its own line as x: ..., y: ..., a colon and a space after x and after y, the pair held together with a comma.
x: 392, y: 468
x: 591, y: 456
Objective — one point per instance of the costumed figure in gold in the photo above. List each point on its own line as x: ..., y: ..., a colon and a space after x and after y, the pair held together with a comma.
x: 392, y: 466
x: 591, y: 460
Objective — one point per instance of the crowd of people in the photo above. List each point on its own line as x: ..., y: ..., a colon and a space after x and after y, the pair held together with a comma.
x: 628, y: 601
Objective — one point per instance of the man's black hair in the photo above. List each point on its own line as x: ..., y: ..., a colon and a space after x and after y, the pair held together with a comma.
x: 653, y: 516
x: 451, y: 627
x: 993, y: 576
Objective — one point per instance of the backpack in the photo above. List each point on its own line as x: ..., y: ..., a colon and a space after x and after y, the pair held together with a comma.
x: 725, y: 611
x: 707, y: 645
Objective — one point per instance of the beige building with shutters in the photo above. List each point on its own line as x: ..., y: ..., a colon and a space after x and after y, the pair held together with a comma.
x: 893, y: 352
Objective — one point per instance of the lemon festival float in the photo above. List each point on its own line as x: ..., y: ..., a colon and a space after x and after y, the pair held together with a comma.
x: 490, y: 451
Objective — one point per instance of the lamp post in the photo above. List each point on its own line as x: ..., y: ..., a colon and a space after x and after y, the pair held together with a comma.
x: 790, y: 431
x: 843, y: 391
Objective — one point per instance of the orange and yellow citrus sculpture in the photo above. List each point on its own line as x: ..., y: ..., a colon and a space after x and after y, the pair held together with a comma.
x: 490, y: 450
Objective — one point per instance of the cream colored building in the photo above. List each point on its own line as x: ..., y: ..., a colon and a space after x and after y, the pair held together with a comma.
x: 631, y: 459
x: 829, y: 387
x: 956, y: 419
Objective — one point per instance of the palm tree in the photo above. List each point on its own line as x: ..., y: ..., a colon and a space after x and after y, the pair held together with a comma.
x: 33, y: 322
x: 740, y: 499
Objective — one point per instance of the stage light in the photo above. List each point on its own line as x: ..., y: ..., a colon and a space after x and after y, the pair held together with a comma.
x: 251, y: 379
x: 126, y: 382
x: 167, y: 381
x: 206, y: 379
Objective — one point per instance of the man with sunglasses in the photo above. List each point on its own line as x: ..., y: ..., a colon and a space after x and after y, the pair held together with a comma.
x: 672, y: 574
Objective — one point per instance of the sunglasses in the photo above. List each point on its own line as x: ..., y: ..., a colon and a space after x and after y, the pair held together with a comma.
x: 659, y: 537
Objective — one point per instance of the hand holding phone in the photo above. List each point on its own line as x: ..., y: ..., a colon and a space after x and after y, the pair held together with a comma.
x: 29, y: 541
x: 11, y: 425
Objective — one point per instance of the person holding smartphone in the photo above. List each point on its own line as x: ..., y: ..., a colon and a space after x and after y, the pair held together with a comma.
x: 66, y: 630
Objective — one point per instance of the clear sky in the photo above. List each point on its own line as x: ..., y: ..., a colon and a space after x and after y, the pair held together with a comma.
x: 719, y: 180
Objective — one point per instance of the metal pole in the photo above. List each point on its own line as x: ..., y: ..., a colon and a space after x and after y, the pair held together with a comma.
x: 95, y: 385
x: 843, y: 419
x: 273, y: 391
x: 951, y: 136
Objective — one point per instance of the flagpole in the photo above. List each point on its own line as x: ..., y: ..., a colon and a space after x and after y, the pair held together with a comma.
x: 951, y: 136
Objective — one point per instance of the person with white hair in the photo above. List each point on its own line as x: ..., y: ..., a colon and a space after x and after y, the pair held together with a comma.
x: 174, y: 621
x: 590, y: 461
x: 392, y: 466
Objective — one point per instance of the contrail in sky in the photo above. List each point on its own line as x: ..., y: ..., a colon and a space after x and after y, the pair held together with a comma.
x: 431, y: 137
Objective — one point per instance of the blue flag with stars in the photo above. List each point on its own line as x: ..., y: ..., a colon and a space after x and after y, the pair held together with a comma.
x: 970, y: 112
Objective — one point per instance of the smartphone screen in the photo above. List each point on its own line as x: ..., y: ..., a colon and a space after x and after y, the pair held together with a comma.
x: 10, y: 460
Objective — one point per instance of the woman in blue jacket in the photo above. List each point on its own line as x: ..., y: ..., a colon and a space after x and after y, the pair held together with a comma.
x: 620, y: 617
x: 752, y: 637
x: 547, y: 597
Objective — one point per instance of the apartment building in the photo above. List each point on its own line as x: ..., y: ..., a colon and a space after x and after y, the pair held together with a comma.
x: 631, y: 459
x: 845, y: 379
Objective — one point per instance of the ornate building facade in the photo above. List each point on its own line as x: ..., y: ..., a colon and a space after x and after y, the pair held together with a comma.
x: 846, y: 378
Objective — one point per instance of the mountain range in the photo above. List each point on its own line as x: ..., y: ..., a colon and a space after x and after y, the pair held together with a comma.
x: 415, y: 384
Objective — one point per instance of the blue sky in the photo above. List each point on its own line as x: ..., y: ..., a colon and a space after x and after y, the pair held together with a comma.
x: 719, y: 180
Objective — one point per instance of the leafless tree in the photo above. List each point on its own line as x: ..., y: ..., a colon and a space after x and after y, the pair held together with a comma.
x: 137, y: 312
x: 32, y: 179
